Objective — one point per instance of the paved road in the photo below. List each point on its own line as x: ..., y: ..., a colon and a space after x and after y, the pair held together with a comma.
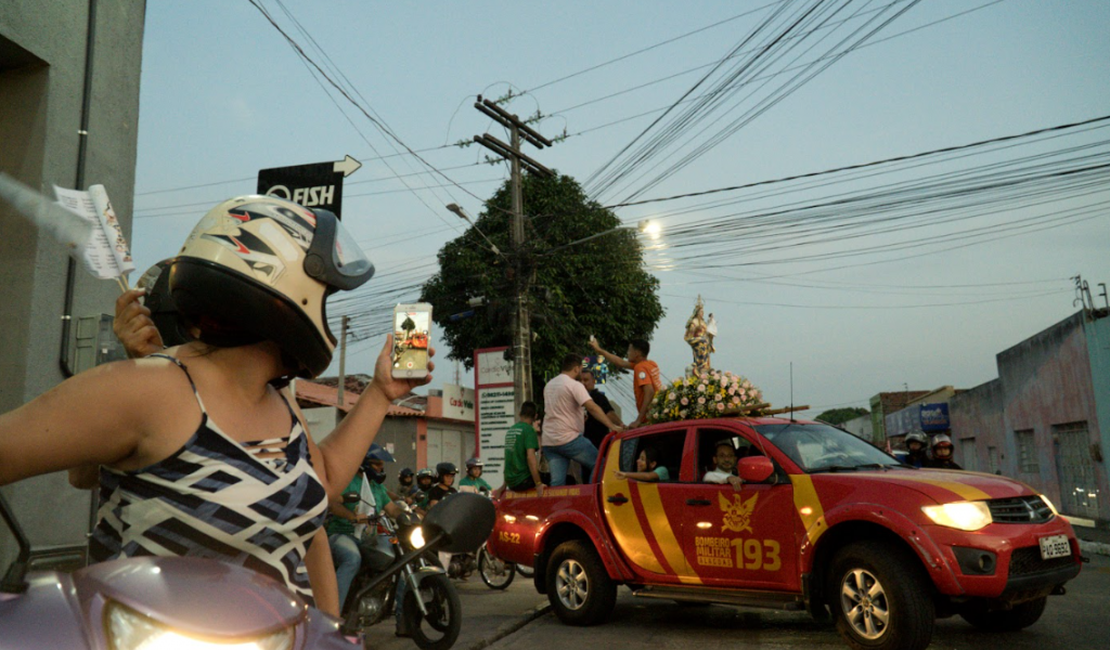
x: 1076, y: 621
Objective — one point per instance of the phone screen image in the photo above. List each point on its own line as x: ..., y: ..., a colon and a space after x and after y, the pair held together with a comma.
x: 411, y: 329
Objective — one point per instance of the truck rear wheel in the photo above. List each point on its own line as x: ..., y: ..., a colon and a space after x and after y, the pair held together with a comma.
x: 1018, y: 618
x: 578, y: 586
x: 880, y: 599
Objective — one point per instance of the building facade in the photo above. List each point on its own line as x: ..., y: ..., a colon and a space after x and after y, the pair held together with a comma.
x: 1044, y: 420
x: 69, y: 108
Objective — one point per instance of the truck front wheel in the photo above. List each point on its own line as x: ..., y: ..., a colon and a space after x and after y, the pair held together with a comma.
x: 880, y: 599
x: 579, y: 588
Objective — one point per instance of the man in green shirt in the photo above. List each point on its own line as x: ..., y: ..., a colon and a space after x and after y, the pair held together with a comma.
x: 347, y: 522
x: 474, y: 477
x: 522, y: 462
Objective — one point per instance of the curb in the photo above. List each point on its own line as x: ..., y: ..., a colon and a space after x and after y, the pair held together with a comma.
x: 1094, y: 548
x: 506, y: 629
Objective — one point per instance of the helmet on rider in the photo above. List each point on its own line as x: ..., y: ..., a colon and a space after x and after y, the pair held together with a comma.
x: 917, y: 442
x: 156, y: 281
x: 443, y: 470
x: 472, y: 464
x: 425, y: 477
x: 374, y: 463
x: 942, y: 447
x: 260, y: 268
x: 406, y: 476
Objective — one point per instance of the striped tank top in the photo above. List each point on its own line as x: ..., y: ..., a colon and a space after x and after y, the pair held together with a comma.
x: 218, y: 498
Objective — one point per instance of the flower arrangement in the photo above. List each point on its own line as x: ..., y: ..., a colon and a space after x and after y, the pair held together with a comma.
x: 707, y: 395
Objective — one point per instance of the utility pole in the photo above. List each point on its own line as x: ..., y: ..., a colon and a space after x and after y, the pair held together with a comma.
x: 342, y: 362
x: 522, y: 275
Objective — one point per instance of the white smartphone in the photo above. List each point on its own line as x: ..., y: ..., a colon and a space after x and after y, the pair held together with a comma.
x: 412, y: 333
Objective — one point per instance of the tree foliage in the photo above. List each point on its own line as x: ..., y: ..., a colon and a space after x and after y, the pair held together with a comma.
x: 840, y: 416
x: 595, y: 287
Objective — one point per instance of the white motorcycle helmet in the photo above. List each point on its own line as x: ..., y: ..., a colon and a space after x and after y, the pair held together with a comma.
x: 260, y: 268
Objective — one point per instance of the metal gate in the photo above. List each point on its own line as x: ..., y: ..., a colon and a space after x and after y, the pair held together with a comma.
x: 1078, y: 484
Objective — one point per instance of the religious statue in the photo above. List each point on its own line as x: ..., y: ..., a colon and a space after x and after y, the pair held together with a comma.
x: 699, y: 336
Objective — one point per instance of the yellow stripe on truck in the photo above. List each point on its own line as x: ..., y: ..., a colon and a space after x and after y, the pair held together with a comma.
x: 968, y: 492
x: 622, y: 518
x: 809, y: 506
x: 661, y: 527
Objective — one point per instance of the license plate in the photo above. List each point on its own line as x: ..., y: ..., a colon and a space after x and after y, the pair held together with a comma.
x: 1055, y: 546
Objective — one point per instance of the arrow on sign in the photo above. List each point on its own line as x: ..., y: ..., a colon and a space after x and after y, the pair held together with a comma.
x: 348, y: 166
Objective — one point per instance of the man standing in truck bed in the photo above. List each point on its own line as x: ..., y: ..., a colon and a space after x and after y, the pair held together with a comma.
x: 645, y: 374
x: 563, y: 441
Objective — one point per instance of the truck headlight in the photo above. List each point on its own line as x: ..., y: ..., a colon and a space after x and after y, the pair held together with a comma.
x: 964, y: 515
x: 416, y: 537
x: 130, y: 630
x: 1049, y: 504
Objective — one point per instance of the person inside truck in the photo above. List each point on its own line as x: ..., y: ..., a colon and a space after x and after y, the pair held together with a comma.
x: 724, y: 459
x: 648, y: 468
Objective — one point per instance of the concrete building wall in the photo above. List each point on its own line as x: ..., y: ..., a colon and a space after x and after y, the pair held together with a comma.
x: 1097, y: 332
x: 977, y: 424
x: 1046, y: 383
x: 860, y: 427
x: 42, y: 92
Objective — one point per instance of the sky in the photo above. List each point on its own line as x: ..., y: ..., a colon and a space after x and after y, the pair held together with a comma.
x: 827, y: 290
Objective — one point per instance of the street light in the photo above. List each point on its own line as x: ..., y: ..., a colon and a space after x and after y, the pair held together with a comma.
x: 457, y: 209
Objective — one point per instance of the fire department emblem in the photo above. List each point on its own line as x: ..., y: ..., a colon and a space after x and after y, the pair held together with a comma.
x: 738, y: 513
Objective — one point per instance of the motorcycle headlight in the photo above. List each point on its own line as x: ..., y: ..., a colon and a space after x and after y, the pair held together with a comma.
x: 963, y: 515
x: 130, y: 630
x: 416, y: 537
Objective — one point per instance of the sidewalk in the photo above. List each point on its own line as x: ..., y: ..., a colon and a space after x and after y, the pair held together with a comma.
x: 488, y: 615
x: 1093, y: 540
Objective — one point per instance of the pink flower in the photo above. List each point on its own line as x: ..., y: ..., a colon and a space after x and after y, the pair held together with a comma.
x: 701, y: 388
x: 720, y: 407
x: 735, y: 399
x: 718, y: 397
x: 685, y: 401
x: 701, y: 400
x: 731, y: 390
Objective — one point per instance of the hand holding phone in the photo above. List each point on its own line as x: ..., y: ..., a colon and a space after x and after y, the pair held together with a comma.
x: 412, y: 334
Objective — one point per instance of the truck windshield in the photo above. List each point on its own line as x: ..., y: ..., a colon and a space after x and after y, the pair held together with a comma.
x: 822, y: 448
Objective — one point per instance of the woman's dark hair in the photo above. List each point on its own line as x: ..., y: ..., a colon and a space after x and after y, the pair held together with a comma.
x: 651, y: 455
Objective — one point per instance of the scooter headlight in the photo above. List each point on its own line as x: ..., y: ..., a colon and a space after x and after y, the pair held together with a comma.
x: 416, y: 537
x: 130, y: 630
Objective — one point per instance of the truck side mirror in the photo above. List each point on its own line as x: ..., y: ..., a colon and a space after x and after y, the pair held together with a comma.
x: 755, y: 469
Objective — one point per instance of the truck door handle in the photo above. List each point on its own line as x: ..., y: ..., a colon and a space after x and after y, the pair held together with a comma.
x: 698, y: 502
x: 618, y: 499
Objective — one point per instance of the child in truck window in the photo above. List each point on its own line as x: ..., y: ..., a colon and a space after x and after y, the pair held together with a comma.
x: 648, y: 468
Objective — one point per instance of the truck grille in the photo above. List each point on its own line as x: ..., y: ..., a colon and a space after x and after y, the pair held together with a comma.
x: 1024, y: 561
x: 1020, y: 510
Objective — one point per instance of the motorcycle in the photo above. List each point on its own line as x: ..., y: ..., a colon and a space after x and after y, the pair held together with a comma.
x: 162, y: 602
x: 495, y: 572
x: 430, y: 604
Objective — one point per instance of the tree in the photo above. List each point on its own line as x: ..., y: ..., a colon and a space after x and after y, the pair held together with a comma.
x: 840, y: 416
x: 595, y: 287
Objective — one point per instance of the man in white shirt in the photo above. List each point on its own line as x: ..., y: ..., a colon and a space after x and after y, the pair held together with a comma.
x: 725, y: 458
x: 564, y: 422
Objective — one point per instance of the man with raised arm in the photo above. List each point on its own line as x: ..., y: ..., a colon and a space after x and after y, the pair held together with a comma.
x: 645, y: 374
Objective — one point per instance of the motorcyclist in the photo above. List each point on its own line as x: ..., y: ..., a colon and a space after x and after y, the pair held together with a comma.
x: 405, y: 486
x: 942, y: 454
x: 445, y: 479
x: 348, y: 521
x: 425, y: 479
x: 474, y: 478
x: 917, y: 444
